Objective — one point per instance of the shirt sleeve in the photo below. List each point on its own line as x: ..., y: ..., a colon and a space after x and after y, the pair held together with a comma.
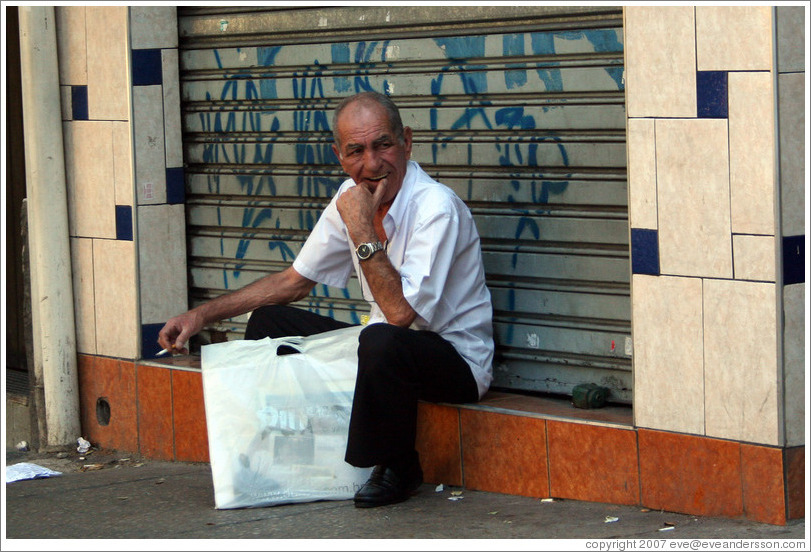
x: 326, y: 257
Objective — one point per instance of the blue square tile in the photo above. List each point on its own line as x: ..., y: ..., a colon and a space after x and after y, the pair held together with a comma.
x: 149, y: 340
x: 146, y: 67
x: 645, y: 251
x: 712, y: 96
x: 78, y: 98
x: 175, y: 185
x: 793, y: 260
x: 123, y: 222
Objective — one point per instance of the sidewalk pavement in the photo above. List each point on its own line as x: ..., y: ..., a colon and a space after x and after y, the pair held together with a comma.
x: 109, y: 496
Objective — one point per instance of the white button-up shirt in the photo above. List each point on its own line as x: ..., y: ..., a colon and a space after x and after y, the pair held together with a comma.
x: 434, y: 245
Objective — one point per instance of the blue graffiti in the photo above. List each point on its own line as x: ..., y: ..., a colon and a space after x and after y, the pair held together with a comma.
x: 544, y: 44
x: 351, y: 69
x: 460, y: 49
x: 284, y: 249
x: 235, y: 88
x: 340, y: 55
x: 603, y: 40
x: 516, y: 75
x: 363, y: 58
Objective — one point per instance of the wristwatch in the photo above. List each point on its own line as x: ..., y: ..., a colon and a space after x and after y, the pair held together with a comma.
x: 366, y: 250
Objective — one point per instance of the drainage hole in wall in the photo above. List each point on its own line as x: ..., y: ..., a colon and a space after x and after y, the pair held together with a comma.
x: 103, y: 411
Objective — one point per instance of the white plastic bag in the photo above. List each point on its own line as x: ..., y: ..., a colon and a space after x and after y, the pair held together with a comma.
x: 278, y: 424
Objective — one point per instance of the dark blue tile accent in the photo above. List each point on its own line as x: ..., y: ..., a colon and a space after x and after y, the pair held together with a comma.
x: 645, y: 251
x: 175, y: 185
x: 78, y: 100
x: 149, y: 340
x: 793, y: 260
x: 146, y: 67
x: 711, y: 94
x: 123, y: 222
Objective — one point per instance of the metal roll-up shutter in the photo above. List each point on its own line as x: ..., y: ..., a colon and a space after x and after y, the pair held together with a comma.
x: 519, y: 109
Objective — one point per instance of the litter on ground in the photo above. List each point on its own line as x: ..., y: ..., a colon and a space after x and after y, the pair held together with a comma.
x: 26, y: 470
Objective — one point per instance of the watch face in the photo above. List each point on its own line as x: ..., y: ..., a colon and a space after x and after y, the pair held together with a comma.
x: 364, y: 250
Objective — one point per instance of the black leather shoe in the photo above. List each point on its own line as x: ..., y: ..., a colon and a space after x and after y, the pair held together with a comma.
x: 385, y: 486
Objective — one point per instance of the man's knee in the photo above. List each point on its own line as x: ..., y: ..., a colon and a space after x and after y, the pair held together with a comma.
x: 379, y: 340
x: 263, y: 322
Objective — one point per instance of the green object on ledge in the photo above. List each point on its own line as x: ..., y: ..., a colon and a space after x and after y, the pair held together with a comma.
x: 589, y: 395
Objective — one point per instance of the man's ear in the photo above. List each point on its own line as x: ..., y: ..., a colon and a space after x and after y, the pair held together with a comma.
x: 407, y: 135
x: 337, y: 153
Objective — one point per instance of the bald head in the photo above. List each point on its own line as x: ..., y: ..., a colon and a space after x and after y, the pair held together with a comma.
x: 370, y: 99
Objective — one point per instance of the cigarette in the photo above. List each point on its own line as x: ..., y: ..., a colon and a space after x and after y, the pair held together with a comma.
x: 162, y: 352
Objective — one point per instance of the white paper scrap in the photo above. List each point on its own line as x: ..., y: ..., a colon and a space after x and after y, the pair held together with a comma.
x: 26, y: 470
x: 611, y: 519
x: 84, y: 445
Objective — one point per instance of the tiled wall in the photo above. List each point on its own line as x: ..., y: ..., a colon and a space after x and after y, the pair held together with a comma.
x: 716, y: 241
x: 94, y: 82
x: 716, y: 238
x: 791, y: 140
x: 123, y: 153
x: 159, y: 179
x: 704, y: 236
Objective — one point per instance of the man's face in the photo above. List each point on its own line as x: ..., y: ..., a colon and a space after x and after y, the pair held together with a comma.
x: 370, y: 153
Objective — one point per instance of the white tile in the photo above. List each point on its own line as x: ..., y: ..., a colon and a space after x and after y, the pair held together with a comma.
x: 150, y: 163
x: 171, y: 108
x: 81, y: 253
x: 660, y: 64
x: 153, y: 27
x: 791, y: 38
x: 162, y: 262
x: 107, y: 66
x: 71, y: 40
x: 751, y: 162
x: 740, y: 361
x: 90, y: 178
x: 693, y: 198
x: 66, y: 101
x: 793, y: 141
x: 795, y: 345
x: 734, y: 38
x: 117, y: 321
x: 668, y: 353
x: 642, y: 173
x: 755, y: 257
x: 122, y: 163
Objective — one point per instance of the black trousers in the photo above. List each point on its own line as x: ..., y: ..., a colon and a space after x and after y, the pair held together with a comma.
x: 396, y: 368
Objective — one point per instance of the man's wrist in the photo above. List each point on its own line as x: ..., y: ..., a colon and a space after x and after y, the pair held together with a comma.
x: 366, y: 250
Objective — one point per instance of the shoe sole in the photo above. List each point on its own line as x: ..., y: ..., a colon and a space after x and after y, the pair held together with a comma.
x: 374, y: 504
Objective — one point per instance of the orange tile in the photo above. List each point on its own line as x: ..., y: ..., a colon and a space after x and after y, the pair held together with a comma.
x: 504, y: 454
x: 690, y: 474
x: 438, y: 443
x: 763, y: 486
x: 108, y: 384
x: 191, y: 434
x: 155, y: 412
x: 87, y: 396
x: 795, y: 482
x: 593, y: 463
